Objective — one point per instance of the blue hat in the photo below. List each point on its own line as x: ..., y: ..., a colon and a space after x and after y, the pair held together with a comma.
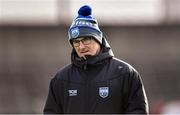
x: 85, y: 25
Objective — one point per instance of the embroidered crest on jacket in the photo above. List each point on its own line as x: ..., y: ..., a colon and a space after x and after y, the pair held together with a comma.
x: 103, y: 92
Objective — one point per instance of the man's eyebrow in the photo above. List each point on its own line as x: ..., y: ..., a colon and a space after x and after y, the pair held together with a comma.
x: 78, y: 39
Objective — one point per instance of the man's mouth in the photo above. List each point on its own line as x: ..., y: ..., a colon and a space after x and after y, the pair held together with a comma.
x: 84, y: 52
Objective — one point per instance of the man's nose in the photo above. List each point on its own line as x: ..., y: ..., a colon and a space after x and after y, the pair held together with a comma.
x: 81, y: 45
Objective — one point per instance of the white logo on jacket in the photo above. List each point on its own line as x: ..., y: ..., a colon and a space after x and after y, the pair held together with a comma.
x: 72, y: 92
x: 103, y: 91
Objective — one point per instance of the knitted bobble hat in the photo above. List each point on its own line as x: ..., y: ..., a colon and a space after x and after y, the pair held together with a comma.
x: 85, y: 25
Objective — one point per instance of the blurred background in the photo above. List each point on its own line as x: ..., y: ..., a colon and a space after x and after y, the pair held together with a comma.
x: 34, y: 46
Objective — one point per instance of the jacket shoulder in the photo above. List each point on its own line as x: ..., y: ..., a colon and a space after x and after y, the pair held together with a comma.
x: 121, y: 62
x: 124, y: 65
x: 63, y: 72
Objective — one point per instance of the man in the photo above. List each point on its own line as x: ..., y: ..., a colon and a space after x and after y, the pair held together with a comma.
x: 95, y: 81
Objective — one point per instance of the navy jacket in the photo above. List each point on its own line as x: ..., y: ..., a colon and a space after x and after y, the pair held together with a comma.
x: 98, y: 84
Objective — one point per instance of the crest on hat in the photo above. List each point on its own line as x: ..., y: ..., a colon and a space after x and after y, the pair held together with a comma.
x: 103, y: 92
x: 75, y: 32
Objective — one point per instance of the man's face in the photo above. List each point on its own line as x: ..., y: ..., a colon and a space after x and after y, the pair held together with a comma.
x: 86, y: 46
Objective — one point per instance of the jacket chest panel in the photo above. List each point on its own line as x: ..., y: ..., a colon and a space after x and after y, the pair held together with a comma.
x: 92, y: 96
x: 73, y: 97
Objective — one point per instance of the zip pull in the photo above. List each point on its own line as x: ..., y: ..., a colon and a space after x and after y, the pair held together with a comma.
x: 85, y: 65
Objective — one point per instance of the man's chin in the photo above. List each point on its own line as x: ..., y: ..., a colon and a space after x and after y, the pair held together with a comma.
x: 85, y: 55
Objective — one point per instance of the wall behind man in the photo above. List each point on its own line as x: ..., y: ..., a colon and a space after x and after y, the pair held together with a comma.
x: 30, y: 57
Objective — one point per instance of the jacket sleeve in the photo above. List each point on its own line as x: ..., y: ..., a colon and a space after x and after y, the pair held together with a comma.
x: 135, y: 97
x: 52, y: 106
